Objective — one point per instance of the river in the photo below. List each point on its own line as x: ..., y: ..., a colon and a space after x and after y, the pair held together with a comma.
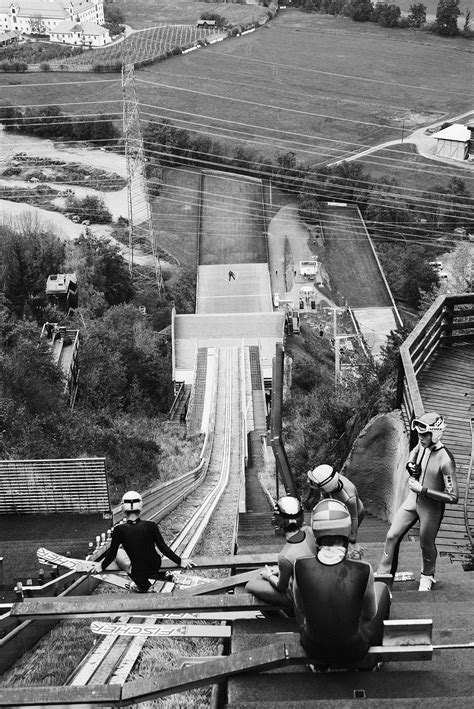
x: 64, y: 228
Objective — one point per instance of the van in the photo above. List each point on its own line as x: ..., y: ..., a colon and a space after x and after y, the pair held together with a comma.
x: 443, y: 275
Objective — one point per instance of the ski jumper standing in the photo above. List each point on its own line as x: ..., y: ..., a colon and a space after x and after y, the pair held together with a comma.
x: 276, y: 587
x: 326, y: 482
x: 140, y: 540
x: 432, y: 484
x: 339, y: 608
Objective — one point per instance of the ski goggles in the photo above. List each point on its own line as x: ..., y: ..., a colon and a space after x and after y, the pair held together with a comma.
x: 423, y: 427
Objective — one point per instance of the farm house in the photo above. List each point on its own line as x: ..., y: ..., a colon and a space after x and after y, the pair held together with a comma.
x: 80, y: 33
x: 453, y: 142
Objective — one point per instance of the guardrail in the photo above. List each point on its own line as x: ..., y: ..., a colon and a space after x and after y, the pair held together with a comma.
x: 449, y: 321
x: 176, y: 400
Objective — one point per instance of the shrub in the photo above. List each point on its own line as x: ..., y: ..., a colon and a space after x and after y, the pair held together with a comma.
x: 44, y: 66
x: 13, y: 66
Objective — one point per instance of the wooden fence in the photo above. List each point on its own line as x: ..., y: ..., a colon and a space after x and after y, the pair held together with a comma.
x: 449, y: 321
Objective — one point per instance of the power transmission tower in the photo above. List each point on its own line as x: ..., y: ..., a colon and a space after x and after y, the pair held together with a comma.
x: 139, y: 211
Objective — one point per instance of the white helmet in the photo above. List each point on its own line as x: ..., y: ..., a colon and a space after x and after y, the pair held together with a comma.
x: 429, y: 423
x: 132, y: 502
x: 325, y: 477
x: 331, y: 518
x: 288, y: 513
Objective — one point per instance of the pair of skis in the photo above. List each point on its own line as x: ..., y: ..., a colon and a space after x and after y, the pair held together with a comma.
x: 115, y: 577
x: 160, y: 630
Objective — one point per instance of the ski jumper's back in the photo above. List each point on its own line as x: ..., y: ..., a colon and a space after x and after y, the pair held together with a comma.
x: 329, y: 603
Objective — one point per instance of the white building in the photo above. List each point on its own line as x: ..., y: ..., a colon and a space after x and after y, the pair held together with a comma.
x: 86, y: 34
x: 453, y: 142
x: 42, y: 16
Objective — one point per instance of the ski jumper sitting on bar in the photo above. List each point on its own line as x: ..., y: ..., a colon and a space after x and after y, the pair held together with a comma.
x: 432, y: 482
x: 275, y: 587
x: 326, y: 482
x: 339, y: 607
x: 140, y: 540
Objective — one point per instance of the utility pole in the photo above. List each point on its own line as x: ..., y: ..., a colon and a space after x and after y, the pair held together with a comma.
x: 139, y: 211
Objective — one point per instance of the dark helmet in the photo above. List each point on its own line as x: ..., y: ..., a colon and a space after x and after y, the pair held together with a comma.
x: 331, y: 518
x: 429, y: 423
x: 288, y: 513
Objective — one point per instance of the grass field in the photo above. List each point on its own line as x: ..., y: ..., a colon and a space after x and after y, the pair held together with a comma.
x: 422, y: 174
x: 318, y: 85
x: 175, y: 214
x: 232, y: 225
x: 353, y: 270
x: 146, y: 13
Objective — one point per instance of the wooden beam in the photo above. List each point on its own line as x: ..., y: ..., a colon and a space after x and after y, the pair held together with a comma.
x: 128, y: 604
x: 256, y: 659
x: 221, y: 584
x: 408, y: 632
x: 92, y: 695
x: 222, y: 562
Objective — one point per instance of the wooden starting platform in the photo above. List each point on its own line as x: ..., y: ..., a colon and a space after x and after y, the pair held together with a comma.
x: 284, y: 651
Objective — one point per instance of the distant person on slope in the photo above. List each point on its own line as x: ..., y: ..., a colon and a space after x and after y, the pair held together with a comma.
x: 339, y: 608
x: 276, y: 586
x: 432, y: 482
x: 140, y: 540
x: 326, y: 482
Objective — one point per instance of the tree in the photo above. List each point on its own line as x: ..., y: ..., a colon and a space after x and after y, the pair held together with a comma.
x: 467, y: 22
x: 10, y: 117
x: 90, y: 207
x: 417, y: 15
x: 125, y: 364
x: 447, y: 13
x: 408, y: 272
x: 462, y: 269
x: 100, y: 266
x: 386, y: 15
x: 360, y: 10
x: 29, y: 253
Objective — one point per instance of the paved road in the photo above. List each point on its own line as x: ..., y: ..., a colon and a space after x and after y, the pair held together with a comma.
x: 425, y: 144
x: 286, y: 226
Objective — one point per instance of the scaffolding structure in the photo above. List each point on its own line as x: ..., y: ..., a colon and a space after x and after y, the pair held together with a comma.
x: 141, y: 232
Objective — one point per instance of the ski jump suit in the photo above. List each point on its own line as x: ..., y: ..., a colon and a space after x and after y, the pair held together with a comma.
x: 279, y: 588
x: 345, y: 492
x: 439, y: 485
x: 139, y: 539
x: 339, y: 609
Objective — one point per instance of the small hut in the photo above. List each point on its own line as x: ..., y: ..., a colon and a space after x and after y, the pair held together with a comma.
x: 453, y: 142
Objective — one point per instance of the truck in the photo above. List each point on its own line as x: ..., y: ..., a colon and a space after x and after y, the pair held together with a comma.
x: 309, y: 269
